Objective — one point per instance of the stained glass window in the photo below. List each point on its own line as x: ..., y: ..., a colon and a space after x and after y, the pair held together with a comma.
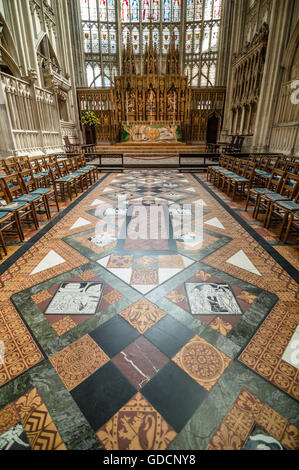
x: 156, y: 10
x: 166, y: 40
x: 125, y: 11
x: 146, y: 35
x: 146, y: 10
x: 199, y: 31
x: 135, y: 40
x: 166, y: 10
x: 135, y: 11
x: 102, y: 10
x: 100, y: 40
x: 176, y: 10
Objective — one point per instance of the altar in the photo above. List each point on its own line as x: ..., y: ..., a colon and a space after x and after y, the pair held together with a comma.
x: 148, y: 133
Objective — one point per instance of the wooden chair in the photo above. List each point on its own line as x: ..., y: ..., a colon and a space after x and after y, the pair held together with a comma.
x: 23, y: 162
x: 11, y: 168
x: 219, y: 179
x: 230, y: 171
x: 63, y: 185
x: 277, y: 180
x: 23, y: 212
x: 68, y: 170
x: 9, y: 223
x: 256, y: 192
x: 242, y: 182
x: 288, y: 192
x: 213, y: 170
x: 93, y: 169
x: 85, y: 172
x: 39, y: 196
x: 290, y: 211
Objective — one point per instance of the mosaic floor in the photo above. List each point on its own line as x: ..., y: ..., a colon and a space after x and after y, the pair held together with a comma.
x: 149, y: 315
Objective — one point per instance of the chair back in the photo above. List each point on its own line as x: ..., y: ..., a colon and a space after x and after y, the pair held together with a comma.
x: 276, y: 180
x: 290, y: 185
x: 13, y: 186
x: 54, y: 171
x: 28, y: 181
x: 249, y: 171
x: 11, y: 168
x: 243, y: 167
x: 264, y: 163
x: 292, y: 167
x: 23, y: 162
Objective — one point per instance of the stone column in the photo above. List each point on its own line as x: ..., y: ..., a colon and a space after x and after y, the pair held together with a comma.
x: 224, y: 43
x: 238, y: 13
x: 278, y: 34
x: 28, y: 35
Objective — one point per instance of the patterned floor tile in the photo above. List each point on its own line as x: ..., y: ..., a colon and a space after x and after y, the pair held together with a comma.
x: 78, y: 361
x: 142, y: 315
x: 136, y: 426
x: 247, y: 412
x: 202, y: 361
x: 26, y: 424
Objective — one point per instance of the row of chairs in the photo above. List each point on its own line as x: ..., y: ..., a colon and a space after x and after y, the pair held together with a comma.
x: 29, y: 188
x: 272, y: 185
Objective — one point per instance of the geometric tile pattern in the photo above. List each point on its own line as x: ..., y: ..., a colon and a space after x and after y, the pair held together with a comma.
x: 35, y: 419
x: 139, y: 368
x: 265, y: 351
x: 247, y: 411
x: 20, y: 350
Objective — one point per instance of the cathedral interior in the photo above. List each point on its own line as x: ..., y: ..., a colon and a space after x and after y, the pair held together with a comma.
x: 149, y: 216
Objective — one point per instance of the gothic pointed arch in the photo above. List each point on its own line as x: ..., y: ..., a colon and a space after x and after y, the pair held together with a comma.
x: 8, y: 52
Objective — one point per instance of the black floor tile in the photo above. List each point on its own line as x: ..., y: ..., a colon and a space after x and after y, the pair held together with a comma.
x: 101, y: 395
x: 114, y: 335
x: 169, y: 335
x: 174, y: 395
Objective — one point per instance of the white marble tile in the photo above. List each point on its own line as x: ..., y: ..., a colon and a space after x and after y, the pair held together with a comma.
x: 144, y: 289
x: 215, y: 222
x: 187, y: 261
x: 51, y: 260
x: 97, y: 202
x: 167, y: 273
x: 291, y: 354
x: 104, y: 261
x: 123, y: 273
x: 80, y: 223
x: 241, y: 260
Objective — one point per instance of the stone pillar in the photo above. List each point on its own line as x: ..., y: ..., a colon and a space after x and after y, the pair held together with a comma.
x: 278, y: 34
x: 224, y: 43
x: 238, y: 12
x: 28, y: 36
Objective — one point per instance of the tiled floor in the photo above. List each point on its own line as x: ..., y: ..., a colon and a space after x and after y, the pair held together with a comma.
x: 125, y: 326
